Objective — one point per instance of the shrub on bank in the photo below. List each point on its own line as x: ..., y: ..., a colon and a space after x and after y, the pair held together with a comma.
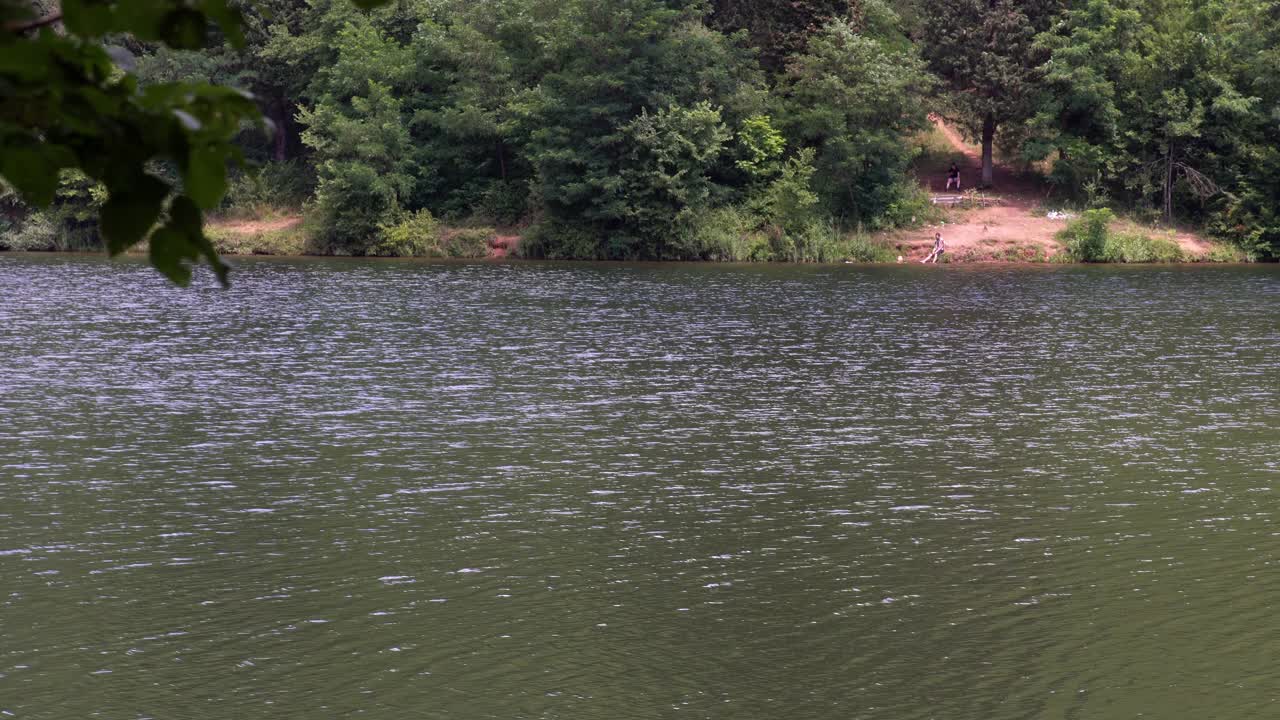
x: 823, y: 242
x: 781, y: 218
x: 51, y: 230
x: 504, y: 202
x: 414, y: 236
x: 465, y: 242
x: 419, y: 234
x: 1139, y: 248
x: 69, y: 224
x: 1223, y: 253
x: 1086, y: 236
x: 291, y: 240
x: 727, y: 234
x: 265, y: 190
x: 557, y: 240
x: 352, y: 207
x: 1089, y: 239
x: 912, y: 205
x: 36, y: 232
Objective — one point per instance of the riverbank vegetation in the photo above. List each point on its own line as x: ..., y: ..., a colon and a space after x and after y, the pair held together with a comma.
x: 694, y: 130
x: 1091, y: 239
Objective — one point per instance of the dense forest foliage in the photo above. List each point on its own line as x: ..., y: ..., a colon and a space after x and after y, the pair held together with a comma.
x: 688, y: 129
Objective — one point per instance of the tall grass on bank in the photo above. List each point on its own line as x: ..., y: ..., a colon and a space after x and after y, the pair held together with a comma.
x: 726, y: 234
x: 273, y: 189
x: 1089, y: 239
x: 290, y: 240
x: 416, y: 235
x: 823, y: 242
x: 420, y: 235
x: 1138, y: 248
x: 1086, y: 237
x: 1223, y: 253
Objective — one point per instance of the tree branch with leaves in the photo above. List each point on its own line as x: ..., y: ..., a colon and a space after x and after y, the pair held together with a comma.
x: 69, y: 102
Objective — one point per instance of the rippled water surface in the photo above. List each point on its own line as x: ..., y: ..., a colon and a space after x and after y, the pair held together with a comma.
x: 398, y: 490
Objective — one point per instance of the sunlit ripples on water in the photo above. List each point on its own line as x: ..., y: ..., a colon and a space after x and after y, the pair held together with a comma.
x: 395, y: 489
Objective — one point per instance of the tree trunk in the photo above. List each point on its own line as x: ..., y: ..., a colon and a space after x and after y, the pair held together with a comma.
x: 988, y: 140
x: 280, y: 141
x: 1168, y: 186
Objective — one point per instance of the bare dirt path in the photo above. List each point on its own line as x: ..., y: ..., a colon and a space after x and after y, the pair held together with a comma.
x: 1013, y: 224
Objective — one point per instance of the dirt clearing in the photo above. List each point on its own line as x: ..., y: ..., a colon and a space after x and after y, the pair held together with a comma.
x: 1007, y: 222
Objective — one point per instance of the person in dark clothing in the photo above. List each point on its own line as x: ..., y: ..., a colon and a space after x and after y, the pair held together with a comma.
x: 953, y: 177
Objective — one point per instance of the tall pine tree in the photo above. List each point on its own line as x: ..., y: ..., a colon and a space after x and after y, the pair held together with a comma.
x: 780, y: 28
x: 986, y: 53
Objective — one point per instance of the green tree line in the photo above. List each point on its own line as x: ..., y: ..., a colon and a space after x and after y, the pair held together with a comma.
x: 641, y: 129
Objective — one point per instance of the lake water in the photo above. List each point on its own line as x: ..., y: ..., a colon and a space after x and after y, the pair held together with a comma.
x: 407, y: 490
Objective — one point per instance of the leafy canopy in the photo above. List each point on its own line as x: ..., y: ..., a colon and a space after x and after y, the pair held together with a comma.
x: 68, y: 101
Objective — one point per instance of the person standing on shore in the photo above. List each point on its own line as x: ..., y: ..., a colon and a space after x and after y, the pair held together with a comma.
x: 939, y: 247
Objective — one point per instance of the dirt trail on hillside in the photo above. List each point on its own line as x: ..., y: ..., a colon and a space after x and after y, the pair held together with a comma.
x: 1012, y: 225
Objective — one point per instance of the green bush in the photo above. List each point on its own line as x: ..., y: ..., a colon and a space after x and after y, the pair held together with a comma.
x: 860, y: 248
x: 419, y: 235
x: 733, y: 234
x: 911, y: 206
x: 758, y: 248
x: 1250, y: 219
x: 1089, y: 239
x: 290, y: 240
x: 789, y: 202
x: 268, y: 188
x: 1138, y: 248
x: 817, y: 242
x: 559, y: 240
x: 504, y: 202
x: 853, y: 94
x: 35, y: 233
x: 1086, y: 236
x: 1223, y: 253
x: 823, y: 242
x: 466, y: 242
x: 759, y: 147
x: 1166, y: 251
x: 723, y: 234
x: 352, y: 207
x: 414, y: 236
x: 361, y: 144
x: 69, y: 224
